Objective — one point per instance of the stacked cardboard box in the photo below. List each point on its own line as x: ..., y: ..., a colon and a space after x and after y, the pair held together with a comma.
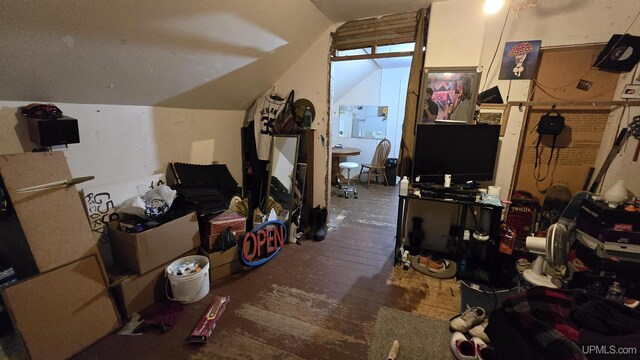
x: 62, y: 305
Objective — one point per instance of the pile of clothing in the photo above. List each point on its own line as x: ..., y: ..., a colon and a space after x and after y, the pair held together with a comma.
x: 544, y: 323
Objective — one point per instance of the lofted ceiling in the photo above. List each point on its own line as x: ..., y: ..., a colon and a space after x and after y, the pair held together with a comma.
x: 198, y: 54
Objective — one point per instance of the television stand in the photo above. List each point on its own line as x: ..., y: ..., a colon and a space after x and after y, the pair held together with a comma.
x: 485, y: 270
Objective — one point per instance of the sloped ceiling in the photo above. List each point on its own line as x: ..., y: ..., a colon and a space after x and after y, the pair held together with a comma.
x: 200, y: 54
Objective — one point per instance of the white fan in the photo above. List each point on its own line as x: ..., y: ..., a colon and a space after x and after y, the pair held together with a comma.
x: 555, y: 248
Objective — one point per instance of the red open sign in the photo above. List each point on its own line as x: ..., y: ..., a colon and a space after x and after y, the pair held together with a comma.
x: 263, y: 243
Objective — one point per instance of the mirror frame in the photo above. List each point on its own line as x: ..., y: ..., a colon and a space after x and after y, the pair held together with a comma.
x: 434, y: 73
x: 292, y: 175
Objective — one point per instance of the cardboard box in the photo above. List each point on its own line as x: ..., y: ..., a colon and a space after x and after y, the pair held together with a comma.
x: 61, y: 312
x: 212, y: 229
x: 145, y: 251
x: 223, y: 263
x: 54, y: 223
x: 137, y: 292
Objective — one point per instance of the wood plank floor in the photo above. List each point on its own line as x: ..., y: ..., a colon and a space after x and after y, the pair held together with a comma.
x: 317, y: 300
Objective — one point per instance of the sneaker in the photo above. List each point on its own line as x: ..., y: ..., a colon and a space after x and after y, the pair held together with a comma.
x: 483, y: 351
x: 433, y: 263
x: 438, y: 265
x: 461, y: 348
x: 478, y: 331
x: 423, y: 261
x: 468, y: 319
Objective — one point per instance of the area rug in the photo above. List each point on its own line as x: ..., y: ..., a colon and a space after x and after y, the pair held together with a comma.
x: 420, y: 337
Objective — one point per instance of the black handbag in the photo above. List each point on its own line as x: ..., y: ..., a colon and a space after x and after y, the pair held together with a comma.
x: 548, y: 125
x: 551, y: 124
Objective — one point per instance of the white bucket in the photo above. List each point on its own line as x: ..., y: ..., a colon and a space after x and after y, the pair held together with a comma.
x: 190, y: 287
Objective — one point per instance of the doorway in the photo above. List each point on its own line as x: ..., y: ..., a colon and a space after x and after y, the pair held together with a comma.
x: 367, y: 104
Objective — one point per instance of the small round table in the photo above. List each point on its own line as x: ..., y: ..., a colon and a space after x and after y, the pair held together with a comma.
x: 339, y: 155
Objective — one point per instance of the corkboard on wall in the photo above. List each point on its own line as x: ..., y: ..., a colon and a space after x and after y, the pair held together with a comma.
x: 577, y: 147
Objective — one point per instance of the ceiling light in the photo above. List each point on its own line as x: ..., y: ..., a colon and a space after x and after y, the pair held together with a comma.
x: 492, y: 6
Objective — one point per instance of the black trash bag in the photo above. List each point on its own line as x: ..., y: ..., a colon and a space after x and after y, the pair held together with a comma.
x: 226, y: 240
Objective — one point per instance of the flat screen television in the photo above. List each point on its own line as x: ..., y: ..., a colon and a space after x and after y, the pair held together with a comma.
x: 467, y: 152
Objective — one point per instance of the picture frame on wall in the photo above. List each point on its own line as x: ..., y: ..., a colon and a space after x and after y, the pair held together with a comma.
x: 448, y: 94
x: 493, y: 114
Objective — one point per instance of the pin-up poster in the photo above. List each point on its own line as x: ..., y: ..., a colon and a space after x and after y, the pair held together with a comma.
x: 519, y: 60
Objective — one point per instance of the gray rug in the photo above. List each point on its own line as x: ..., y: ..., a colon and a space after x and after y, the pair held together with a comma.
x: 420, y: 337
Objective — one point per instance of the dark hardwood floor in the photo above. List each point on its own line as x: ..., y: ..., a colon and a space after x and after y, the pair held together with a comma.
x: 317, y: 300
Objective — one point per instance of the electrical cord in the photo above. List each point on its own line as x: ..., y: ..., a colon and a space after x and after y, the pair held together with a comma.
x: 618, y: 41
x: 484, y: 87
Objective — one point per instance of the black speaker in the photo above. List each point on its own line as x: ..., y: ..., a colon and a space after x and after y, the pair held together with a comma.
x: 62, y: 131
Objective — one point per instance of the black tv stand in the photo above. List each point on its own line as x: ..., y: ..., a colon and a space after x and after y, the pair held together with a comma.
x: 485, y: 271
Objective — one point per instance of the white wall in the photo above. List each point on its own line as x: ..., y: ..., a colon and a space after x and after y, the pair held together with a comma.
x: 118, y: 143
x: 345, y: 75
x: 394, y: 94
x: 309, y: 76
x: 383, y: 87
x: 556, y: 23
x: 367, y: 92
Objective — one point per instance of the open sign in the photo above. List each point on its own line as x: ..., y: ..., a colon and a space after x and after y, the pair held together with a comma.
x: 263, y: 243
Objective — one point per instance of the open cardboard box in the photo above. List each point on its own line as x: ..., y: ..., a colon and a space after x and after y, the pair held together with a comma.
x: 145, y: 251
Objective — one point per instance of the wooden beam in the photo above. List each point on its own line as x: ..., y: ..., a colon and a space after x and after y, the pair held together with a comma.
x: 615, y: 104
x: 372, y: 56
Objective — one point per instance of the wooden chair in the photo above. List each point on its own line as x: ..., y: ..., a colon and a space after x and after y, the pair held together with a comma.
x: 377, y: 166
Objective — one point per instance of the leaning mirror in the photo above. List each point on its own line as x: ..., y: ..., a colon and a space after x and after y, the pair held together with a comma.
x: 284, y: 156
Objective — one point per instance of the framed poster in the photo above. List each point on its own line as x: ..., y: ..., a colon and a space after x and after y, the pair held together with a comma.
x: 519, y: 60
x: 448, y: 94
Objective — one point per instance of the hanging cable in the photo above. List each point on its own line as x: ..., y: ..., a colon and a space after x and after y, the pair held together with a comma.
x: 618, y: 41
x: 484, y: 87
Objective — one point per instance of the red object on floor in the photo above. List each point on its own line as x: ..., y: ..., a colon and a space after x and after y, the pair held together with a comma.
x: 209, y: 320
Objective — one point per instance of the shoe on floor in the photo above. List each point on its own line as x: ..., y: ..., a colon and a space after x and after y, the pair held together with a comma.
x: 461, y: 348
x: 478, y: 331
x: 483, y: 351
x: 468, y: 319
x: 423, y: 260
x: 438, y: 265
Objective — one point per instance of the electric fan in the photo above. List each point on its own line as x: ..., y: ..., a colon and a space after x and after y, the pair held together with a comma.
x: 555, y: 248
